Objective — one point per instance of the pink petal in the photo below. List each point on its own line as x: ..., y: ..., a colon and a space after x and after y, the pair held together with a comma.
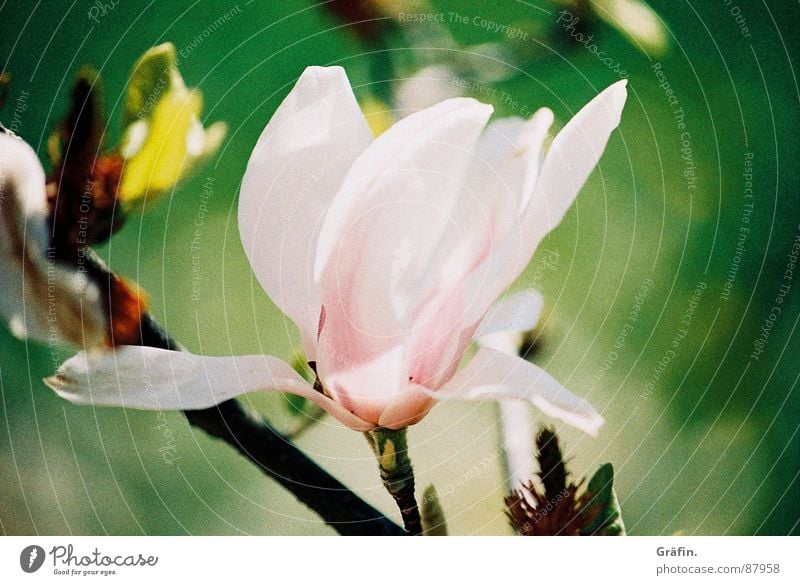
x: 363, y: 387
x: 502, y: 172
x: 407, y: 408
x: 373, y: 263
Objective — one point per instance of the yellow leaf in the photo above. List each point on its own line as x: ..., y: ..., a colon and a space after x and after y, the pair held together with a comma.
x: 163, y: 139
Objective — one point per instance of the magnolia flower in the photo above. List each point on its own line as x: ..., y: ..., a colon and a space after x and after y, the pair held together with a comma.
x: 41, y: 298
x: 389, y: 254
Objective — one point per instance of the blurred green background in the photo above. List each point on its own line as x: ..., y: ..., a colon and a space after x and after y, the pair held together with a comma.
x: 707, y: 444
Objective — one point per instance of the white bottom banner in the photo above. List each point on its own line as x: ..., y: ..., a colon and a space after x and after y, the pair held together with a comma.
x: 33, y: 559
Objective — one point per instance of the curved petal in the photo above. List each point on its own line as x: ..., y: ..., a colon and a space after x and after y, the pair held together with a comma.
x: 378, y: 237
x: 567, y: 165
x: 296, y: 168
x: 149, y: 378
x: 39, y: 297
x: 498, y: 376
x: 569, y: 162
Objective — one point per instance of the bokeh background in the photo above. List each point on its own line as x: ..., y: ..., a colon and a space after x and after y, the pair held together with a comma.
x: 707, y: 443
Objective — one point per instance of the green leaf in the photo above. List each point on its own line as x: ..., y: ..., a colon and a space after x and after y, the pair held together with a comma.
x: 162, y: 139
x: 599, y: 505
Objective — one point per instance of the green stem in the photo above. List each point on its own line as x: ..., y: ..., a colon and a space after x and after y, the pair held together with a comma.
x: 391, y: 450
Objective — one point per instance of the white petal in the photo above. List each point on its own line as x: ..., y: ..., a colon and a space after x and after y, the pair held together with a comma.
x: 500, y: 177
x: 509, y: 342
x: 497, y: 375
x: 498, y: 184
x: 294, y: 171
x: 149, y: 378
x: 509, y: 156
x: 40, y: 298
x: 515, y: 312
x: 502, y: 329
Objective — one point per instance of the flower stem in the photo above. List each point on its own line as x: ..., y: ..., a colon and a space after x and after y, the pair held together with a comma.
x: 391, y: 450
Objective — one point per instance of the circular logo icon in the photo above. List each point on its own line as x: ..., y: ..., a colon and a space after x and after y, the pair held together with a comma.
x: 31, y: 558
